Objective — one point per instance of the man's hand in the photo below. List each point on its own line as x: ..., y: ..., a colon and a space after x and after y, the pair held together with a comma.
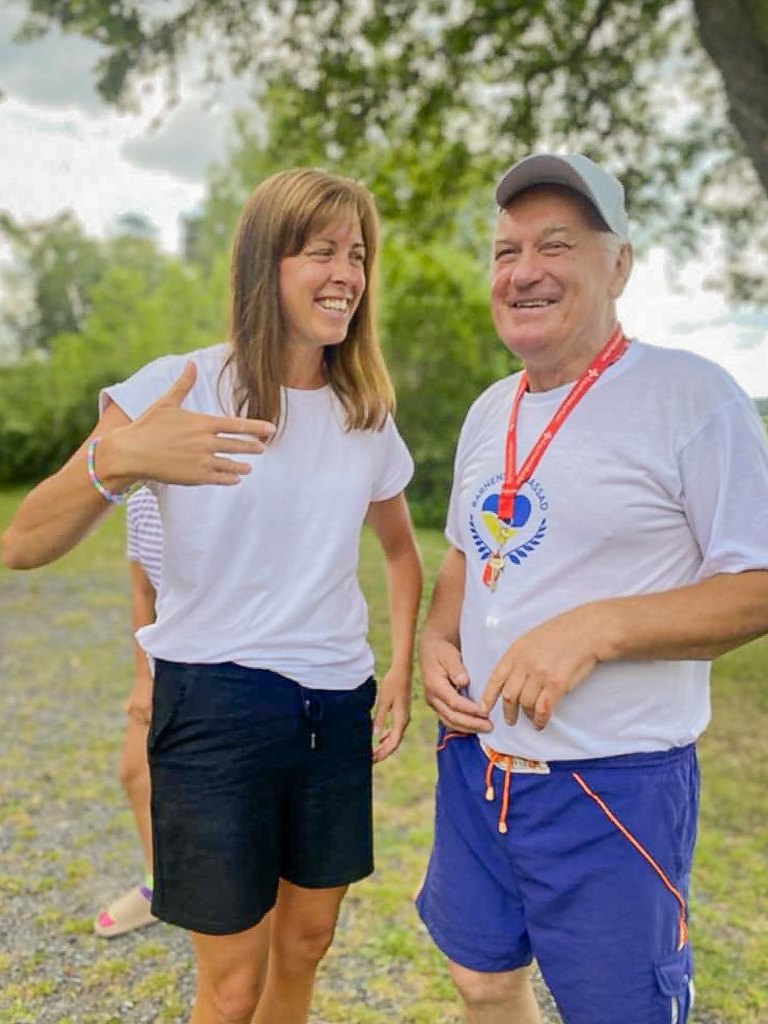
x: 443, y: 677
x: 544, y: 664
x: 394, y: 703
x: 139, y: 704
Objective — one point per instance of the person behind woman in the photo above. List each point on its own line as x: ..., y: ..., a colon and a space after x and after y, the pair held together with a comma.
x: 260, y: 740
x: 144, y: 548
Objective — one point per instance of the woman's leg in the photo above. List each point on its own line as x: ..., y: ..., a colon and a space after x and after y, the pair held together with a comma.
x: 230, y: 974
x: 303, y: 923
x: 132, y: 909
x: 134, y: 776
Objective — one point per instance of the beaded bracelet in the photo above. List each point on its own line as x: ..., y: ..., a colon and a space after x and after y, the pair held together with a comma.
x: 90, y: 461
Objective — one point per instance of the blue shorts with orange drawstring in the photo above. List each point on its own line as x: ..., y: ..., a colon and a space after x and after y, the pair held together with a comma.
x: 584, y: 865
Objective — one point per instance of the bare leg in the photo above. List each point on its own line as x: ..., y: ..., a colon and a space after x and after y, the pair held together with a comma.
x: 303, y: 923
x: 498, y: 998
x: 230, y: 974
x: 131, y: 910
x: 134, y: 776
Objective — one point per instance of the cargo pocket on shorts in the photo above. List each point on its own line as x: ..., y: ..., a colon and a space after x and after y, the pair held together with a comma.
x: 674, y: 976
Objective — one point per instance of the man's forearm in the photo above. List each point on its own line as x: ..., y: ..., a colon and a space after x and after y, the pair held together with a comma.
x: 697, y: 622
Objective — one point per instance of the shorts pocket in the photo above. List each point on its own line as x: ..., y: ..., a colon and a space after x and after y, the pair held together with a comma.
x: 167, y: 697
x: 674, y: 976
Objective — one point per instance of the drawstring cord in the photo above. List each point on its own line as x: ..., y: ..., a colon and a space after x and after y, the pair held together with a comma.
x: 503, y: 761
x: 313, y: 710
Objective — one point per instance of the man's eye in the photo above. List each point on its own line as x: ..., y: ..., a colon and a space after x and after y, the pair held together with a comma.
x: 505, y: 254
x: 555, y: 247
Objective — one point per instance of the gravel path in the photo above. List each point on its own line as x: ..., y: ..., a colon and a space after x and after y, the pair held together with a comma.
x: 67, y: 844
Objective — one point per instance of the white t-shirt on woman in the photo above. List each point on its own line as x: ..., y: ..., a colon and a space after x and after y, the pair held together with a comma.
x: 264, y: 573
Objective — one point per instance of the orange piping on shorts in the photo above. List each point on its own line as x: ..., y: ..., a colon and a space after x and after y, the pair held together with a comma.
x: 450, y: 736
x: 683, y: 929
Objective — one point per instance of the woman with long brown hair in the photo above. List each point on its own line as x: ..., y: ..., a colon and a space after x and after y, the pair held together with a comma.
x: 260, y: 744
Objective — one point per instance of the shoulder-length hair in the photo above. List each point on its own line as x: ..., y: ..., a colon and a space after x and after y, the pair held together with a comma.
x: 279, y: 217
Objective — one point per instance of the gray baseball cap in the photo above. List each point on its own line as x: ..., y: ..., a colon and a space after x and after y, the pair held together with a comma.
x: 575, y: 171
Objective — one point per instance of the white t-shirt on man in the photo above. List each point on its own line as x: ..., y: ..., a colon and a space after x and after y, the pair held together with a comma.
x: 657, y: 479
x: 264, y: 573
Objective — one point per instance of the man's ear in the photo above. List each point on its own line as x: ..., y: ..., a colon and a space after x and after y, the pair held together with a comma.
x: 622, y: 268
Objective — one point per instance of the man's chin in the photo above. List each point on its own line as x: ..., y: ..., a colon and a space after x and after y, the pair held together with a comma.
x: 526, y: 344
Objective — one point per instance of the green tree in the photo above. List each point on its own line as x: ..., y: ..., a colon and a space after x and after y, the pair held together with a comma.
x: 55, y: 268
x: 626, y: 80
x: 49, y: 403
x: 442, y: 350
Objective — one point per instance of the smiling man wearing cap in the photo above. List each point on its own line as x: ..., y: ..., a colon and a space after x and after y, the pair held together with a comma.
x: 608, y: 531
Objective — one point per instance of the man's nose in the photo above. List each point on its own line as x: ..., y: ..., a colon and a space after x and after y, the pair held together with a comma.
x: 527, y: 269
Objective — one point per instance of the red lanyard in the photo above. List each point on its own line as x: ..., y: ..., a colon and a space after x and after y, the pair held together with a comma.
x: 513, y: 479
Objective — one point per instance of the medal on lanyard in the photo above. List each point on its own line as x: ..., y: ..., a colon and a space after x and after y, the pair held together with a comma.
x: 513, y: 480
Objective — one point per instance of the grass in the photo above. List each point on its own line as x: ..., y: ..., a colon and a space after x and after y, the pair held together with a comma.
x: 67, y: 663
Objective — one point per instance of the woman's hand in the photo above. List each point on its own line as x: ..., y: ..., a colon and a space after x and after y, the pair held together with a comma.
x: 394, y: 703
x: 173, y: 445
x: 139, y: 704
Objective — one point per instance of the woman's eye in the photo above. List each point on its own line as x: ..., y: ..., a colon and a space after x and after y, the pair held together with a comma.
x: 358, y: 257
x: 320, y: 254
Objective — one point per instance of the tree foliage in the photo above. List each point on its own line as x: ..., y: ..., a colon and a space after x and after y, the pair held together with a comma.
x: 48, y: 400
x: 456, y: 89
x: 55, y: 268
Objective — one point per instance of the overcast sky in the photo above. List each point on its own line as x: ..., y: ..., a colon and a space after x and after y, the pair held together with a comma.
x: 62, y: 148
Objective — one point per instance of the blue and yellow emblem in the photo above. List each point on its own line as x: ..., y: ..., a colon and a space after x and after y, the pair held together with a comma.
x: 513, y: 539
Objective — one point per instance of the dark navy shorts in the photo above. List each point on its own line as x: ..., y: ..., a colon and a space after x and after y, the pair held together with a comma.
x: 585, y: 867
x: 254, y: 778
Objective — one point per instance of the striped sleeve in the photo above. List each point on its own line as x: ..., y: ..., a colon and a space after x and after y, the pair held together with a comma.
x: 144, y: 534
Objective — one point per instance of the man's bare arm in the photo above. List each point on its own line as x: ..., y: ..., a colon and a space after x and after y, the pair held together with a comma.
x: 696, y: 622
x: 442, y: 670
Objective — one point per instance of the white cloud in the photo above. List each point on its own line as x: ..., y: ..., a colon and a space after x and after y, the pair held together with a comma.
x: 65, y: 160
x: 185, y: 144
x: 52, y: 71
x: 685, y: 315
x: 191, y: 137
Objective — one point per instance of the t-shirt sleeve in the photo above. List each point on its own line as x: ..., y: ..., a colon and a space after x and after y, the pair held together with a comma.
x: 724, y: 472
x: 452, y: 522
x: 395, y: 464
x: 469, y: 429
x: 144, y: 387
